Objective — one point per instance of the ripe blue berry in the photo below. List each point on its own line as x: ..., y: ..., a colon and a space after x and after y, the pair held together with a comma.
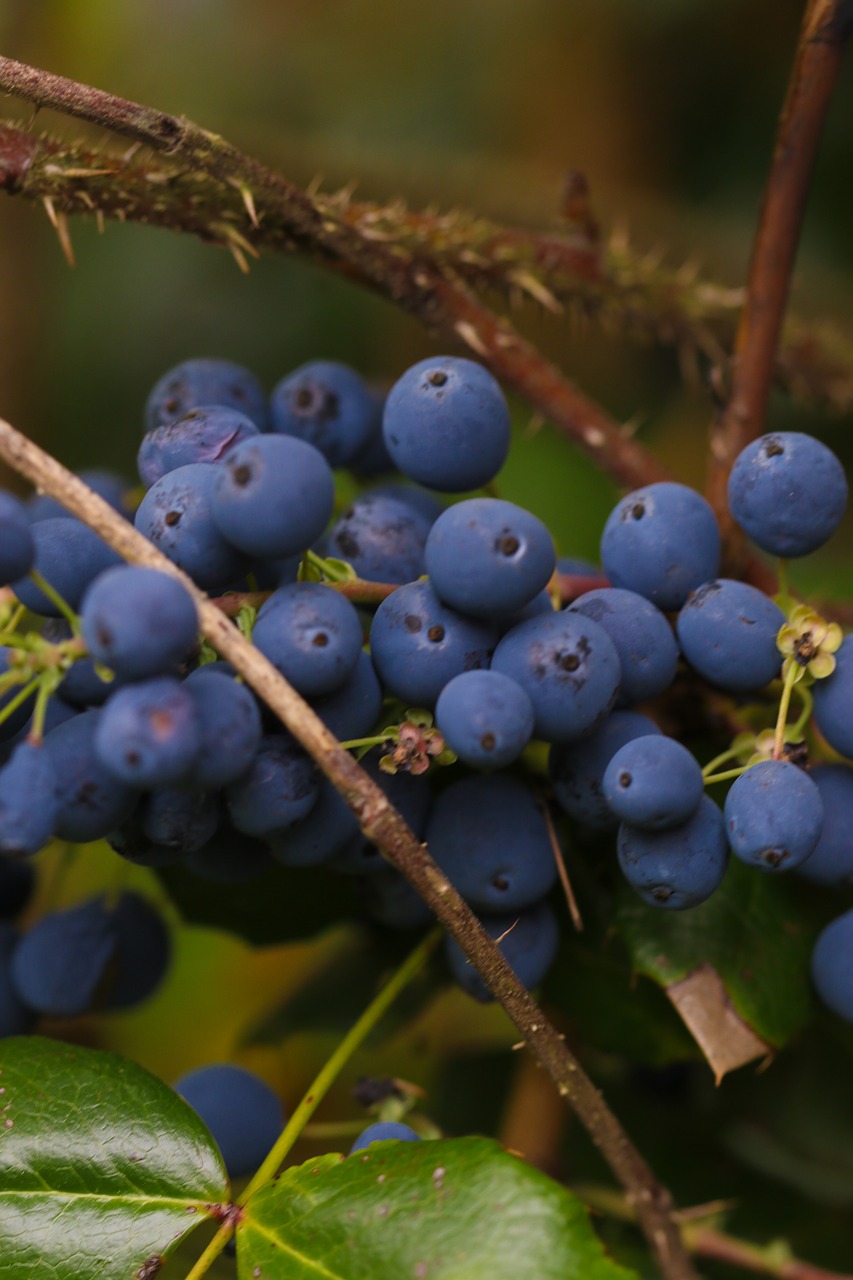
x: 384, y: 1131
x: 279, y: 788
x: 831, y: 862
x: 92, y: 801
x: 569, y: 668
x: 774, y: 815
x: 832, y: 966
x: 490, y: 837
x: 17, y: 547
x: 446, y: 424
x: 273, y: 496
x: 59, y: 965
x: 382, y: 537
x: 577, y: 769
x: 149, y: 733
x: 662, y: 542
x: 205, y: 381
x: 229, y: 727
x: 418, y: 644
x: 485, y: 556
x: 329, y: 406
x: 727, y: 631
x: 788, y: 492
x: 138, y: 622
x: 311, y: 634
x: 648, y: 653
x: 486, y: 718
x: 680, y: 867
x: 204, y: 434
x: 69, y: 556
x: 29, y: 807
x: 528, y: 940
x: 653, y: 782
x: 833, y: 701
x: 176, y: 515
x: 242, y: 1112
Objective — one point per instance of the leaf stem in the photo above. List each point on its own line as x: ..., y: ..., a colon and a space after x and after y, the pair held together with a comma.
x: 214, y: 1247
x: 791, y: 677
x: 352, y: 1041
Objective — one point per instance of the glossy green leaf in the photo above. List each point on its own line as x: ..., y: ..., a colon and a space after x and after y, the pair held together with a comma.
x: 756, y: 931
x: 102, y: 1167
x: 456, y: 1209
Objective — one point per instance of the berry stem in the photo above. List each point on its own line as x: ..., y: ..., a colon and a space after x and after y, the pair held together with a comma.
x: 352, y: 1041
x: 726, y: 776
x: 792, y: 676
x: 56, y: 599
x: 730, y: 754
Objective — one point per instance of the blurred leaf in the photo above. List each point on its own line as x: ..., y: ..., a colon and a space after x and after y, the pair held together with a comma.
x: 756, y: 932
x: 102, y: 1167
x: 461, y: 1207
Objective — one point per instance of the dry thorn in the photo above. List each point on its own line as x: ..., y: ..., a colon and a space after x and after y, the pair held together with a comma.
x: 562, y: 870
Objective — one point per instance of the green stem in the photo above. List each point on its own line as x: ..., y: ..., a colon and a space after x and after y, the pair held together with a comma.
x: 369, y: 742
x: 212, y: 1252
x: 726, y: 775
x: 791, y: 678
x: 56, y: 599
x: 328, y: 570
x: 804, y: 693
x: 709, y: 768
x: 27, y: 692
x: 352, y: 1041
x: 48, y: 683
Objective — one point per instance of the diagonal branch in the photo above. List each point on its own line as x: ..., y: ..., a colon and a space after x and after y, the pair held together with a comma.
x: 384, y: 826
x: 445, y: 306
x: 816, y: 65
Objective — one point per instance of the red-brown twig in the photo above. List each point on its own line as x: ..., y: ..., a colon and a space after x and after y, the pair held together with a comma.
x: 816, y: 65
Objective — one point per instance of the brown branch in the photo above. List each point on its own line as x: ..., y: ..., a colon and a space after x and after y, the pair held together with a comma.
x: 445, y: 306
x: 815, y: 70
x: 384, y: 826
x: 616, y: 286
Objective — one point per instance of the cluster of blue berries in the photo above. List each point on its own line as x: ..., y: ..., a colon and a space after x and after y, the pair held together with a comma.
x: 125, y: 728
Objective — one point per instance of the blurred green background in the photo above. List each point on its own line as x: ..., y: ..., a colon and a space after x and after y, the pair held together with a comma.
x: 668, y: 107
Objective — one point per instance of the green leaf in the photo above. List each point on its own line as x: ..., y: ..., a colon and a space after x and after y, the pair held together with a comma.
x: 103, y: 1168
x: 456, y: 1209
x: 756, y: 932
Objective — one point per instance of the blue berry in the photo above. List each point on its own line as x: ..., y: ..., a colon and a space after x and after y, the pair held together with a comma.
x: 92, y: 801
x: 311, y: 634
x: 16, y: 1017
x: 577, y: 769
x: 69, y: 556
x: 320, y: 835
x: 569, y: 668
x: 485, y: 556
x: 774, y: 815
x: 727, y: 631
x: 82, y: 684
x: 383, y: 538
x: 142, y: 954
x: 832, y: 966
x: 273, y: 496
x: 833, y: 701
x: 680, y: 867
x: 352, y: 709
x: 176, y: 515
x: 528, y: 940
x: 446, y: 424
x: 384, y: 1131
x: 653, y: 782
x: 788, y: 492
x: 409, y: 794
x: 418, y: 644
x: 59, y: 965
x: 279, y: 788
x: 149, y: 733
x: 373, y: 458
x: 490, y: 837
x: 328, y: 405
x: 138, y: 622
x: 242, y: 1112
x: 29, y: 807
x: 648, y: 653
x: 17, y: 547
x: 485, y: 717
x: 205, y: 434
x: 831, y: 862
x: 229, y: 725
x: 411, y: 495
x: 178, y: 820
x: 205, y: 381
x: 662, y: 542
